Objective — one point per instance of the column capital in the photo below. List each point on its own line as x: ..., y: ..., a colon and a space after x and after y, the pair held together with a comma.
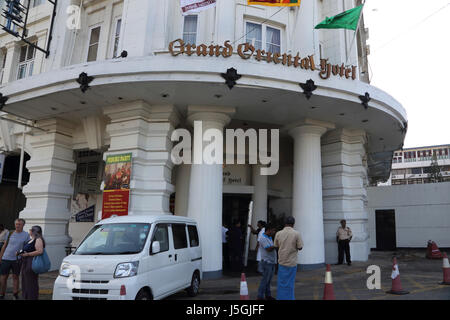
x: 220, y: 115
x: 345, y: 135
x: 309, y: 126
x: 55, y: 125
x: 140, y: 109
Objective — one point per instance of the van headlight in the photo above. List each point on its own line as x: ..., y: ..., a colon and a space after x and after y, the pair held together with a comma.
x: 128, y: 269
x: 65, y: 270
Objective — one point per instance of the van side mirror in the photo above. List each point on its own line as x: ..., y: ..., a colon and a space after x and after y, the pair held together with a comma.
x: 156, y: 247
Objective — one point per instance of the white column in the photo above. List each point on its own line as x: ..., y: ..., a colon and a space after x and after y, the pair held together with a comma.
x: 344, y: 174
x: 145, y: 26
x: 225, y: 21
x: 12, y: 55
x: 182, y: 189
x: 63, y: 38
x: 259, y: 200
x: 205, y: 193
x: 50, y: 188
x: 307, y: 206
x: 144, y: 131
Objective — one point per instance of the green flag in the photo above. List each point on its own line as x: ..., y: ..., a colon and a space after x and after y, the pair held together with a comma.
x: 345, y: 20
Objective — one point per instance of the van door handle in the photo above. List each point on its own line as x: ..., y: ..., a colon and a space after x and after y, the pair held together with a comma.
x: 176, y: 257
x: 170, y: 256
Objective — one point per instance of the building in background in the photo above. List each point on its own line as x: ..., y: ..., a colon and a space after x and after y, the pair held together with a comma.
x: 414, y: 165
x: 331, y: 146
x: 411, y: 207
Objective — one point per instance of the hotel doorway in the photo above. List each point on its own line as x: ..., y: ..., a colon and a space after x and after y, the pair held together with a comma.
x: 235, y: 207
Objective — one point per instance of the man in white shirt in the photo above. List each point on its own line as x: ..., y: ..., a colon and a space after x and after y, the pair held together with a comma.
x: 261, y: 229
x: 343, y: 237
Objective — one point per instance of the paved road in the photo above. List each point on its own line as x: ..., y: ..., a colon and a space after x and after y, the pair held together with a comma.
x: 419, y: 276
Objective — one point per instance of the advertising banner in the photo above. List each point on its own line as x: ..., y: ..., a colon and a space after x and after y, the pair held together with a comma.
x: 275, y: 3
x: 2, y: 164
x: 116, y: 193
x: 194, y: 6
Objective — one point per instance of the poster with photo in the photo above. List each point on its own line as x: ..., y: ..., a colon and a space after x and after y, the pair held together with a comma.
x: 83, y: 208
x: 116, y: 191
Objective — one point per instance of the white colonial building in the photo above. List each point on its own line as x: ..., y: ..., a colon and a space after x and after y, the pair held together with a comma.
x: 331, y: 145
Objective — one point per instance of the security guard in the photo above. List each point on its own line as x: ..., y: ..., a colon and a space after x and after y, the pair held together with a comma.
x: 343, y: 237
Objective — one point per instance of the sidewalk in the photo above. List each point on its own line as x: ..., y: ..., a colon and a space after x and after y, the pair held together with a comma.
x: 419, y: 276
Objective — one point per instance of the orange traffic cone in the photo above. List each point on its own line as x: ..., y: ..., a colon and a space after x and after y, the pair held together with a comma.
x: 328, y: 291
x: 244, y: 288
x: 446, y: 268
x: 396, y: 284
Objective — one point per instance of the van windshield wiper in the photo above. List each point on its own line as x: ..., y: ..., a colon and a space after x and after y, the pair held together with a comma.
x: 93, y: 253
x: 128, y: 252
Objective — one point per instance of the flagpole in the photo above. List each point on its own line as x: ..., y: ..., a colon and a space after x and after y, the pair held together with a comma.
x: 356, y: 32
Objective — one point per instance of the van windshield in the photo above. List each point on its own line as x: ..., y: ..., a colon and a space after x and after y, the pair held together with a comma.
x: 115, y: 239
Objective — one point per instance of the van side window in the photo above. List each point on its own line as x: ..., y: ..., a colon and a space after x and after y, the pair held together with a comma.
x: 193, y: 236
x: 162, y: 235
x: 179, y: 236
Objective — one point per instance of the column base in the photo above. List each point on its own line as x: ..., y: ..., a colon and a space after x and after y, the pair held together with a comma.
x: 210, y: 275
x: 309, y: 267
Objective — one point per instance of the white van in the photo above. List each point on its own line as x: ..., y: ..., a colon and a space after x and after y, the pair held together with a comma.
x: 133, y: 258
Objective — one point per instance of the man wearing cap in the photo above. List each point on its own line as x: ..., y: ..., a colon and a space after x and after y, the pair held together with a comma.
x: 289, y: 242
x: 343, y: 237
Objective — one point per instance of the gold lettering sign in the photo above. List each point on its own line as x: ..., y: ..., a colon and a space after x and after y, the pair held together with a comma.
x: 246, y: 51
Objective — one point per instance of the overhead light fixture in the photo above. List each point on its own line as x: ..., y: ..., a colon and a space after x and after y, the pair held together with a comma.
x: 84, y: 80
x: 231, y: 76
x: 3, y: 100
x: 308, y: 88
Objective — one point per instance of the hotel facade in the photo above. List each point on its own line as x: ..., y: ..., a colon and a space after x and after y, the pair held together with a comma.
x: 134, y: 71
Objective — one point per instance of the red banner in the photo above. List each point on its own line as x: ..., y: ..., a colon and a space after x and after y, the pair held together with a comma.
x: 275, y: 3
x: 115, y: 203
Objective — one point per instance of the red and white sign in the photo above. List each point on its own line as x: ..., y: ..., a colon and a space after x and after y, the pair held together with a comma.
x: 194, y: 6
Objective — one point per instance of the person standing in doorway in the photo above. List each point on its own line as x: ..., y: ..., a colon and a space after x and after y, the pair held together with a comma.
x: 9, y: 259
x: 268, y: 262
x: 225, y: 251
x: 261, y: 228
x: 289, y: 242
x: 3, y: 236
x: 30, y: 280
x: 343, y: 237
x: 236, y: 246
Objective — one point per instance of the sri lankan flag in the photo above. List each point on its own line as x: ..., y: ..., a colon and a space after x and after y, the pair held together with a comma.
x: 275, y: 3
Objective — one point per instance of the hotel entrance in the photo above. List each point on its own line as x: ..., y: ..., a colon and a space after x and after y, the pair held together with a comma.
x: 235, y: 208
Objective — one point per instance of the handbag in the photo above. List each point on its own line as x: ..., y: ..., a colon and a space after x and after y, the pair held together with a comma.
x: 41, y: 263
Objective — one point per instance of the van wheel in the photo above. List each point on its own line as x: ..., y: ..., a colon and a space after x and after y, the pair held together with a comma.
x: 143, y: 295
x: 192, y: 291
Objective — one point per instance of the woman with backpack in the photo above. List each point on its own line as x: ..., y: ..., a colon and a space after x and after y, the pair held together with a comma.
x: 30, y: 280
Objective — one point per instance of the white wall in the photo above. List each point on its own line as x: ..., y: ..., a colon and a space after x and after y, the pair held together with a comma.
x: 422, y: 213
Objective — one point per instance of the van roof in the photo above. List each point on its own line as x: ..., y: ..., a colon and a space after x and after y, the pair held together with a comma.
x: 147, y: 219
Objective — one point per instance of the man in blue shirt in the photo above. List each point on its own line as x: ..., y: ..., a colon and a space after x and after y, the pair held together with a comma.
x: 268, y: 262
x: 9, y: 261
